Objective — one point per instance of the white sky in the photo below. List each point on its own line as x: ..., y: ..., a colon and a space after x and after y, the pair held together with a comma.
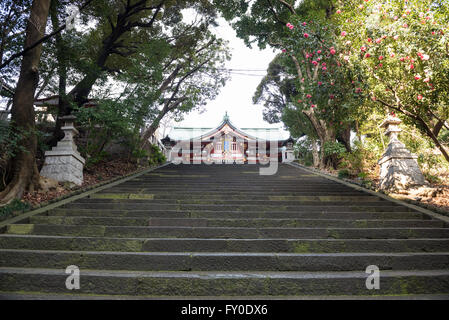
x: 236, y: 96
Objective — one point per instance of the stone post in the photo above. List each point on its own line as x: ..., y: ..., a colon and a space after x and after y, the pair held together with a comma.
x: 63, y: 163
x: 398, y: 167
x: 167, y: 142
x: 290, y: 151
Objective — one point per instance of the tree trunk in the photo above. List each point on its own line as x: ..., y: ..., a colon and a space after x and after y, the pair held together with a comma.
x: 325, y: 134
x: 344, y: 137
x: 429, y: 133
x: 58, y: 134
x: 150, y: 131
x: 24, y: 169
x: 315, y: 155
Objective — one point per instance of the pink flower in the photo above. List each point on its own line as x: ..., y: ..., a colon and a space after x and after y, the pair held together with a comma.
x: 308, y: 96
x: 417, y: 77
x: 379, y: 40
x: 426, y: 80
x: 320, y: 83
x: 323, y: 64
x: 304, y: 23
x: 299, y: 100
x: 405, y: 25
x: 367, y: 55
x: 314, y: 63
x: 283, y: 50
x: 369, y: 39
x: 402, y: 59
x: 313, y: 106
x: 392, y: 55
x: 420, y: 97
x: 332, y: 51
x: 412, y: 67
x: 424, y: 57
x: 381, y: 57
x: 343, y: 33
x: 396, y: 37
x: 306, y: 35
x: 346, y: 58
x: 324, y: 68
x: 363, y: 48
x: 338, y: 11
x: 319, y: 51
x: 332, y: 96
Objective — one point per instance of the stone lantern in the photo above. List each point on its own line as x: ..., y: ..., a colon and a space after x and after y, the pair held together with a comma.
x: 288, y: 155
x: 63, y: 162
x: 399, y: 169
x: 167, y: 142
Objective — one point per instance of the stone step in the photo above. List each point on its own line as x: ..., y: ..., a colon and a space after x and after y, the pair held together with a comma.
x: 311, y: 214
x: 228, y: 283
x: 219, y: 199
x: 78, y: 243
x: 318, y: 206
x: 220, y: 261
x: 196, y: 188
x: 257, y: 222
x: 227, y: 232
x: 224, y: 194
x: 67, y: 296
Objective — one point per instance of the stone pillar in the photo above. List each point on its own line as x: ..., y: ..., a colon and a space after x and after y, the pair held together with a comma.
x: 290, y: 152
x: 63, y: 163
x: 398, y: 167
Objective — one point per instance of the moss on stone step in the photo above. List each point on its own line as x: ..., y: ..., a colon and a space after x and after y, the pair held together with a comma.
x: 20, y: 229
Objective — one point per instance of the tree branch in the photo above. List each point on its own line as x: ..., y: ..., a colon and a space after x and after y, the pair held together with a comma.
x: 41, y: 40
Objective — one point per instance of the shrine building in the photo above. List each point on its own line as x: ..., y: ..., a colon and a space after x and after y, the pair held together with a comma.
x: 227, y: 144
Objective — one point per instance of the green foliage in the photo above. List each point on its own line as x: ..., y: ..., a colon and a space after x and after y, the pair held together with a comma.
x: 9, y: 145
x: 156, y: 156
x: 334, y: 149
x: 343, y: 173
x: 432, y: 178
x: 15, y: 206
x: 303, y: 151
x: 9, y: 140
x: 109, y: 120
x: 402, y: 49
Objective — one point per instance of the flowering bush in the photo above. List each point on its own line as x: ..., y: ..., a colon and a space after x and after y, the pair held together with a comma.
x: 402, y: 47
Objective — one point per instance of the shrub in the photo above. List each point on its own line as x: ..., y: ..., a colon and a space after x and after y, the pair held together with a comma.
x: 343, y: 173
x: 334, y: 149
x: 156, y: 156
x: 14, y: 206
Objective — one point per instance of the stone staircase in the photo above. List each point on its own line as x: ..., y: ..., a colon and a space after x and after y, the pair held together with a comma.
x: 224, y: 230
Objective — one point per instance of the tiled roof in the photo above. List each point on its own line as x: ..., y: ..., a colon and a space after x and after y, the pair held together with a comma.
x: 184, y: 133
